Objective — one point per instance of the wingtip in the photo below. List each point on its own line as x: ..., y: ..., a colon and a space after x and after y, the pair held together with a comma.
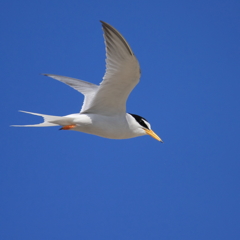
x: 23, y: 111
x: 104, y: 23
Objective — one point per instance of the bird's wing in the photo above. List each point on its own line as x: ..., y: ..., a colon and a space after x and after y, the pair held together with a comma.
x: 122, y: 75
x: 86, y: 88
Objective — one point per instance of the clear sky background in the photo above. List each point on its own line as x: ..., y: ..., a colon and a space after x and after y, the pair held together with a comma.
x: 70, y: 185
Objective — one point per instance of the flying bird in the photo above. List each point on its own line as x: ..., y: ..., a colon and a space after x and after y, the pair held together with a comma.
x: 103, y: 112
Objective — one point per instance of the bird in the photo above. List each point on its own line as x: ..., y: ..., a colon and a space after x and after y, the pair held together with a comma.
x: 103, y: 112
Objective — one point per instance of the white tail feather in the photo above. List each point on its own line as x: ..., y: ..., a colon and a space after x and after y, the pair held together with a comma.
x: 48, y: 119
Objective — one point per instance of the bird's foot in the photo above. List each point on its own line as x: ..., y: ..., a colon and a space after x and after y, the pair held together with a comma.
x: 67, y: 127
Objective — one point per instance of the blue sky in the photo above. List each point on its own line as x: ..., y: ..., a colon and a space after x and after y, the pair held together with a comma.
x: 70, y: 185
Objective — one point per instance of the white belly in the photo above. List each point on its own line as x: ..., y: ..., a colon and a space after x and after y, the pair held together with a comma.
x: 114, y: 127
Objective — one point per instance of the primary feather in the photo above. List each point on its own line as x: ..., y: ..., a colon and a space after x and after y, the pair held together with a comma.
x: 86, y: 88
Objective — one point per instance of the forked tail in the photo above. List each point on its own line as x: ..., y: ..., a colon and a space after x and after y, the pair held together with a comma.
x: 48, y: 120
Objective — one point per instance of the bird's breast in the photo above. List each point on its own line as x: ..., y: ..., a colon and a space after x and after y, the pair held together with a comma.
x: 114, y: 127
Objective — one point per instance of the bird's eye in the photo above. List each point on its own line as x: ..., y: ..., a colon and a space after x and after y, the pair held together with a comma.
x: 147, y: 124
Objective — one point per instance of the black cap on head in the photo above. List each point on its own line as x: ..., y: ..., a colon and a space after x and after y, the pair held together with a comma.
x: 142, y: 121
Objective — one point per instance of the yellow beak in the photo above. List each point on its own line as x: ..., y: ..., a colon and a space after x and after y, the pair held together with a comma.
x: 153, y: 134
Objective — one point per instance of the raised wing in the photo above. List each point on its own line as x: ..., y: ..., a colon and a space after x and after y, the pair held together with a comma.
x: 122, y: 75
x: 86, y: 88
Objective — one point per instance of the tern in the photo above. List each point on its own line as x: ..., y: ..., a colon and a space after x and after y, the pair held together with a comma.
x: 103, y: 112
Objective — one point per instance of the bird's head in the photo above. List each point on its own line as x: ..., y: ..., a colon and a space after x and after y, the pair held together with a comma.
x: 143, y: 127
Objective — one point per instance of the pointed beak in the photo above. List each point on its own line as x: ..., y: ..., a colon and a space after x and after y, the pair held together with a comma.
x: 153, y: 134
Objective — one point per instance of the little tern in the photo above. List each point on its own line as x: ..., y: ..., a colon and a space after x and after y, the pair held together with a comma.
x: 103, y: 112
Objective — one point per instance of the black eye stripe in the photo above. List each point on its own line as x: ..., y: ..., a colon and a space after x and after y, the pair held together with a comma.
x: 140, y: 120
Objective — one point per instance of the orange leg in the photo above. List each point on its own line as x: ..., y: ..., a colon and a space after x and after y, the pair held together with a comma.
x: 67, y: 127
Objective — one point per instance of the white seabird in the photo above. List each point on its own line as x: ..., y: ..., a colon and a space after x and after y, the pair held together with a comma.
x: 103, y: 112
